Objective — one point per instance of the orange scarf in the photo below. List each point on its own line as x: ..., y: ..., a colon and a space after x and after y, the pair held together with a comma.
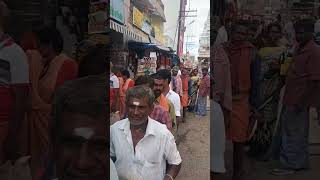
x: 163, y: 102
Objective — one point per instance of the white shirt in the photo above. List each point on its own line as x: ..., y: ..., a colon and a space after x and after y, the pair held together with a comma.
x: 222, y: 36
x: 113, y: 171
x: 218, y: 139
x: 174, y: 98
x: 14, y: 67
x: 114, y: 81
x: 152, y: 152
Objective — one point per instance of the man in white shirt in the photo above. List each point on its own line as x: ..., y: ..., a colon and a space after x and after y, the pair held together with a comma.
x: 114, y: 90
x: 14, y: 87
x: 113, y: 171
x: 169, y: 93
x: 142, y: 148
x: 222, y: 34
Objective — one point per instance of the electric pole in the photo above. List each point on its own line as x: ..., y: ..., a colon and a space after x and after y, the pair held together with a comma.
x: 181, y: 25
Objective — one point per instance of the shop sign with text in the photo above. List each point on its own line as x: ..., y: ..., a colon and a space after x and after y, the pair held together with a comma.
x: 117, y: 10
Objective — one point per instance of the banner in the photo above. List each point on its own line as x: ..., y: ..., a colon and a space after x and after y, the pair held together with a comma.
x: 141, y: 21
x: 137, y: 18
x: 117, y: 10
x: 158, y: 34
x: 98, y: 16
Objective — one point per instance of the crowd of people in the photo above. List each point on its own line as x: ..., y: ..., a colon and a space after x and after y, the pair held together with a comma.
x: 266, y: 79
x: 152, y: 104
x: 53, y: 107
x: 186, y: 89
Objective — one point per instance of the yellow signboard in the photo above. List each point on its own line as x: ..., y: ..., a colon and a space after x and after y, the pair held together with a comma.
x: 137, y: 18
x: 158, y: 34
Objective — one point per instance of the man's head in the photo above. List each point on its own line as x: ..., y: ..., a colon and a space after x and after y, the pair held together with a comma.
x: 50, y: 42
x: 139, y: 102
x: 79, y: 134
x: 304, y: 30
x: 274, y: 32
x: 204, y: 71
x: 95, y: 61
x: 158, y: 85
x: 144, y: 81
x: 184, y: 71
x: 4, y: 15
x: 175, y: 70
x: 239, y: 31
x: 125, y: 74
x: 166, y: 75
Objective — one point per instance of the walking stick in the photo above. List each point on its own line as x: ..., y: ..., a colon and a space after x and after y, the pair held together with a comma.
x: 196, y: 103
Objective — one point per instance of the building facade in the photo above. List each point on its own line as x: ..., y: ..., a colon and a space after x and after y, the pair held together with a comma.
x: 204, y: 41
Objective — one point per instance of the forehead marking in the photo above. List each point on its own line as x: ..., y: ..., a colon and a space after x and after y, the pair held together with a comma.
x: 136, y: 103
x: 86, y: 133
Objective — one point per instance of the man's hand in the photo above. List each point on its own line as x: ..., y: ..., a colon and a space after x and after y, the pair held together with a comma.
x: 227, y: 118
x: 167, y: 178
x: 173, y: 171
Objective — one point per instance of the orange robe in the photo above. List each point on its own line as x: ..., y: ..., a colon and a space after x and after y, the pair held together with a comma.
x: 43, y: 87
x: 185, y: 95
x: 240, y: 57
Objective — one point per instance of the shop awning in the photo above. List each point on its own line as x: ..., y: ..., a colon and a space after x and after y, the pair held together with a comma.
x: 142, y: 46
x: 126, y: 31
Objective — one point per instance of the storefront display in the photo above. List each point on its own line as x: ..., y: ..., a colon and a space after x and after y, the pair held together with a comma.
x: 147, y: 66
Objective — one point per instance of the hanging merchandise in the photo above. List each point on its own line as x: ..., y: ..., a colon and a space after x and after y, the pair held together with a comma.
x: 147, y: 66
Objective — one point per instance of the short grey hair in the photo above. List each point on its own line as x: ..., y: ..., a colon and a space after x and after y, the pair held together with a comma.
x: 85, y: 95
x: 140, y: 92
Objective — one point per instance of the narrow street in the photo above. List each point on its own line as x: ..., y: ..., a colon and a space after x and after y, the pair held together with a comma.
x: 193, y: 144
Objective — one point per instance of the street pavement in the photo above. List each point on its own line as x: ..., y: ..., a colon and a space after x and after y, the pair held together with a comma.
x: 193, y: 145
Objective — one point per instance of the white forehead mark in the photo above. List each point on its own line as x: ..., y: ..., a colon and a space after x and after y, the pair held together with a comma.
x: 86, y: 133
x: 136, y: 103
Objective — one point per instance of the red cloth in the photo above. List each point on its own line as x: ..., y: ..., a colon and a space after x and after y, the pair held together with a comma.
x: 67, y: 72
x: 304, y: 69
x: 161, y: 115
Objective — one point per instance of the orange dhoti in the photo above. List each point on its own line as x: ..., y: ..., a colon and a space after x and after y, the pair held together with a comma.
x: 184, y: 99
x: 239, y: 120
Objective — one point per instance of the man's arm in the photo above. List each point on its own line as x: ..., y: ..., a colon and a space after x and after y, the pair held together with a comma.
x: 173, y: 158
x: 172, y: 171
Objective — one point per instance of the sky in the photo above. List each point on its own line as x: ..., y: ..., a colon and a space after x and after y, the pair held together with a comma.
x: 171, y: 10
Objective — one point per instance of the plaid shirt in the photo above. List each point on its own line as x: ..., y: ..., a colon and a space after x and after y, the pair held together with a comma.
x: 161, y: 115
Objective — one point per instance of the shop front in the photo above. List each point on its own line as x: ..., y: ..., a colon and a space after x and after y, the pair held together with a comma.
x: 147, y: 58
